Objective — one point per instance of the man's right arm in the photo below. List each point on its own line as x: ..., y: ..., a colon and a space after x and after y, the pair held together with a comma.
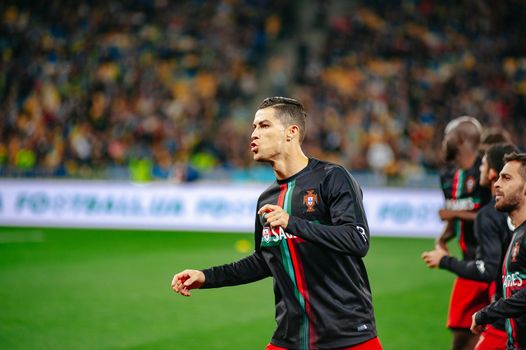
x: 250, y: 269
x: 472, y: 269
x: 488, y: 231
x: 446, y: 235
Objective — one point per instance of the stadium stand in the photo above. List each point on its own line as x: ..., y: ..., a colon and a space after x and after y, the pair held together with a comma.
x: 166, y: 90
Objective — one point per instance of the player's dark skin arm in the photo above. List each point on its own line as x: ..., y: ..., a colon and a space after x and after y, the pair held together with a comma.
x: 466, y: 215
x: 446, y: 235
x: 449, y: 215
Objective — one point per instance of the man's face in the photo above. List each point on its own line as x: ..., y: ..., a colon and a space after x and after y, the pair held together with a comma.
x: 484, y: 172
x: 450, y: 146
x: 510, y: 188
x: 268, y: 137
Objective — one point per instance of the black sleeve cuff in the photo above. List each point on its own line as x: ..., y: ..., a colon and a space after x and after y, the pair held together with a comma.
x: 209, y: 279
x: 480, y: 318
x: 445, y: 262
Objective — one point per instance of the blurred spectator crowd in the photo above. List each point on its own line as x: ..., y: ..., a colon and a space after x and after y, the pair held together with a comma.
x: 161, y: 89
x: 389, y: 75
x: 96, y: 88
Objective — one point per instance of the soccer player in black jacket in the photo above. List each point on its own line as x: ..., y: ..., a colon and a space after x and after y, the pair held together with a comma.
x: 510, y: 197
x: 493, y: 236
x: 311, y: 234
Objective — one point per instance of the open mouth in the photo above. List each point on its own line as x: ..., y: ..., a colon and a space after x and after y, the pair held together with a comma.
x: 253, y: 147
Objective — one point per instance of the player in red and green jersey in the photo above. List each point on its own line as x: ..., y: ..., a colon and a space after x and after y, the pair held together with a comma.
x: 463, y: 198
x: 311, y: 234
x: 510, y: 190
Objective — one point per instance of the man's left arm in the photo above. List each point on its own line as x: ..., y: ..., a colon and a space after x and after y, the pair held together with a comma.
x: 348, y: 232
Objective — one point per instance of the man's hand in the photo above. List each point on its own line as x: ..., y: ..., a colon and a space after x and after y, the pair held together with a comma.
x: 432, y: 258
x: 186, y: 280
x: 275, y: 215
x: 476, y: 328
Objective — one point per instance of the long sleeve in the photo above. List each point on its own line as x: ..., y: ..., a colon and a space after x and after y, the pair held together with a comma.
x: 512, y: 307
x: 348, y: 231
x: 490, y: 227
x: 249, y: 269
x: 466, y: 269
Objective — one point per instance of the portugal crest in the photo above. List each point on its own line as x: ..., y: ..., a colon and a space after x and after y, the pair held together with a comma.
x: 310, y: 200
x: 470, y: 184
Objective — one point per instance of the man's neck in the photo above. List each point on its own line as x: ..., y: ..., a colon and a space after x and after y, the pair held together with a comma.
x: 518, y: 216
x: 290, y: 165
x: 466, y: 160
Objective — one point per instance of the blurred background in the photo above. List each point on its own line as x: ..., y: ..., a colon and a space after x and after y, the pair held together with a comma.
x: 166, y: 90
x: 124, y: 131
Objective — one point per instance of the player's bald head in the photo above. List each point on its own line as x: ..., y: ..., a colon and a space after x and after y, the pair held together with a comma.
x: 467, y: 128
x: 461, y: 133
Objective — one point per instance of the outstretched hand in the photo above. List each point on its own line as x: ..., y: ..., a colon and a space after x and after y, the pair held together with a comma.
x: 186, y: 280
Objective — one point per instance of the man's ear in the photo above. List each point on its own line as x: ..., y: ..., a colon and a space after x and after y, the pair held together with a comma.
x: 293, y: 131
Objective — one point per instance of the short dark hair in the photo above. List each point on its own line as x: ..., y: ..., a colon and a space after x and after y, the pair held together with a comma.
x: 288, y: 110
x: 518, y: 157
x: 495, y: 135
x: 496, y: 152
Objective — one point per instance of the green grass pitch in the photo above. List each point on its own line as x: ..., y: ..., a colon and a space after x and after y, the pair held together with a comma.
x: 110, y: 289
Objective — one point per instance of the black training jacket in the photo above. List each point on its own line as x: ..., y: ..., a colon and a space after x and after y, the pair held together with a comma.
x: 322, y: 293
x: 512, y: 306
